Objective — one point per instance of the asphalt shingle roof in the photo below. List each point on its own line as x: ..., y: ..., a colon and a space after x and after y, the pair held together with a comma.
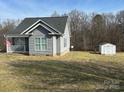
x: 57, y: 23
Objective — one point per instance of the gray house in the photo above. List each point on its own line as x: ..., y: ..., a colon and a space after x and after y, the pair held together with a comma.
x: 41, y: 35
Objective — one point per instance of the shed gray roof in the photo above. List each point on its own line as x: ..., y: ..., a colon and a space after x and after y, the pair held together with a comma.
x: 57, y: 23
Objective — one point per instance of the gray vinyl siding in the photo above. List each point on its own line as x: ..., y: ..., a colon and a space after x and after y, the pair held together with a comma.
x: 54, y: 45
x: 58, y: 45
x: 40, y: 32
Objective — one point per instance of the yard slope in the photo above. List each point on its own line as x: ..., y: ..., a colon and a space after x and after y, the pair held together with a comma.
x: 75, y: 71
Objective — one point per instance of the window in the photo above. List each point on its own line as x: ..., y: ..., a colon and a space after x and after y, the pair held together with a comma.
x: 44, y: 44
x: 40, y: 44
x: 65, y: 42
x: 18, y: 41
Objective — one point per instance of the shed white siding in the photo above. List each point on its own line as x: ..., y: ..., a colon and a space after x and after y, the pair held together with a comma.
x: 107, y: 49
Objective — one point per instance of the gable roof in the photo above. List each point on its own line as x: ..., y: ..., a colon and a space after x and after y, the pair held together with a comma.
x: 104, y: 43
x: 57, y: 23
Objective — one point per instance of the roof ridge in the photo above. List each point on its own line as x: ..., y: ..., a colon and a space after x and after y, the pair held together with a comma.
x: 47, y: 17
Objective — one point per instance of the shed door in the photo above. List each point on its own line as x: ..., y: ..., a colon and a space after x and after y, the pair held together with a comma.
x: 108, y: 49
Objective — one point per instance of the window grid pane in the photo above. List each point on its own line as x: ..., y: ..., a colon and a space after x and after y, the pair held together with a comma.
x: 37, y: 40
x: 38, y: 47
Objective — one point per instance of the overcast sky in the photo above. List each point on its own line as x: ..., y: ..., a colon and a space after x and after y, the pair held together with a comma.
x: 18, y: 9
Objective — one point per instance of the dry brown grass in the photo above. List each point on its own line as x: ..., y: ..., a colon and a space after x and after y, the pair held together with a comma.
x: 75, y: 71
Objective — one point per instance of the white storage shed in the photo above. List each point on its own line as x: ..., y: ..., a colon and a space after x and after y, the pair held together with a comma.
x: 107, y: 49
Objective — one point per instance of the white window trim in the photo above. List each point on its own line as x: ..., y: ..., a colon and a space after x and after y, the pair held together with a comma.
x: 40, y: 44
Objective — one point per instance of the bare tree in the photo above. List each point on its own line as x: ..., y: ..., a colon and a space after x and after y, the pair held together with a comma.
x: 55, y: 14
x: 6, y: 26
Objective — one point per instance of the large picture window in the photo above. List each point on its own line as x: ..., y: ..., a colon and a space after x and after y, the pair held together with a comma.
x: 40, y: 44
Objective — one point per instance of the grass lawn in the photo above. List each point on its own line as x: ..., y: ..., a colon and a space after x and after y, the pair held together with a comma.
x: 75, y: 71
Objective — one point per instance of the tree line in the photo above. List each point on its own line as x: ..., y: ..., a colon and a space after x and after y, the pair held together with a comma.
x: 90, y: 30
x: 87, y: 30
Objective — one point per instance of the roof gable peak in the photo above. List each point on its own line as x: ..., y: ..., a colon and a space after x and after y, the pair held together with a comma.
x: 39, y: 20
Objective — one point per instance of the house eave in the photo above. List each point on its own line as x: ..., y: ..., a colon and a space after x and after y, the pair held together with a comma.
x: 16, y: 35
x: 54, y: 34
